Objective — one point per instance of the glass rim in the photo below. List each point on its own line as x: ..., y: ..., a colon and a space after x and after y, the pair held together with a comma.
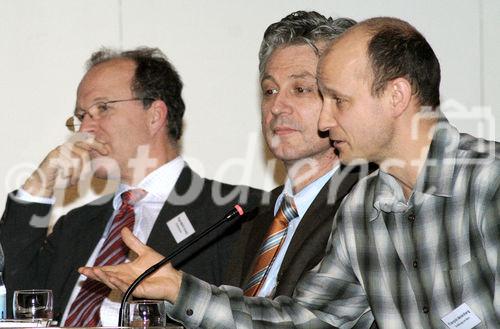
x: 145, y: 301
x: 32, y: 290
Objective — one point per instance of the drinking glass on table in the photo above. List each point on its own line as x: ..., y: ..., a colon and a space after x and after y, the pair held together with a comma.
x: 145, y: 313
x: 35, y: 304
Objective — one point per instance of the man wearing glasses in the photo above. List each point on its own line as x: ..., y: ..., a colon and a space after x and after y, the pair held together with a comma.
x: 128, y: 121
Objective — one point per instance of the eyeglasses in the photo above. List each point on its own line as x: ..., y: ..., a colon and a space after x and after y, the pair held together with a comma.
x: 96, y: 111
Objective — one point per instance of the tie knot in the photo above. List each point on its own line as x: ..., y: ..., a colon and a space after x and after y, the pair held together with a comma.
x: 288, y: 207
x: 131, y: 197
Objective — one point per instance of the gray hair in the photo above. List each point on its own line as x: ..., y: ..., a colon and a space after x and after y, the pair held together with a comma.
x: 300, y: 27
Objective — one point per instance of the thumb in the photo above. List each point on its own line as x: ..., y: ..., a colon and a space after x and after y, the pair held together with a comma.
x: 133, y: 242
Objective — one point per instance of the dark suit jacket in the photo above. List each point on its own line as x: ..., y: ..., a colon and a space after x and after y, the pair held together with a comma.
x: 33, y: 260
x: 308, y: 244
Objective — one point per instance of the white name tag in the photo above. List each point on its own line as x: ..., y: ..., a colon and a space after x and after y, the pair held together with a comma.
x: 180, y: 227
x: 461, y: 318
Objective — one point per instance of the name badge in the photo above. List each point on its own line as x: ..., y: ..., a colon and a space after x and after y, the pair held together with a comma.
x: 461, y: 318
x: 180, y: 227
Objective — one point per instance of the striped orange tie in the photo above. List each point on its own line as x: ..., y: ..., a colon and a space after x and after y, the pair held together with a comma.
x: 269, y: 249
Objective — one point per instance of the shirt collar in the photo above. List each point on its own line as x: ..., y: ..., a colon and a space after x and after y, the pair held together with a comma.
x: 158, y: 183
x: 436, y: 177
x: 304, y: 198
x: 388, y: 196
x: 439, y: 168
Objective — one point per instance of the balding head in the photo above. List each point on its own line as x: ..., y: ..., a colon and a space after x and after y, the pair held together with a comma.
x: 395, y: 49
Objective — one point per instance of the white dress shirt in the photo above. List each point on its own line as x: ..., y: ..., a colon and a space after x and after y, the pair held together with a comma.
x: 303, y: 201
x: 158, y: 185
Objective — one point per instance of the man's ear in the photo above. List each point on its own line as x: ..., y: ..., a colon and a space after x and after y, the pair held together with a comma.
x: 158, y: 111
x: 400, y: 93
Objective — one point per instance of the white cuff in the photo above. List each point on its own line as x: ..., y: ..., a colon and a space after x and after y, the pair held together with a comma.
x: 27, y: 197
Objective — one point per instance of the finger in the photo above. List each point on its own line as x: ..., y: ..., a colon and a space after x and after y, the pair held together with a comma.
x: 87, y: 271
x: 80, y: 150
x: 95, y: 273
x: 83, y: 145
x: 119, y: 284
x: 63, y: 171
x: 104, y: 277
x: 81, y: 162
x: 98, y: 146
x: 68, y: 170
x: 90, y: 143
x: 78, y: 158
x: 69, y: 149
x: 112, y: 269
x: 133, y: 242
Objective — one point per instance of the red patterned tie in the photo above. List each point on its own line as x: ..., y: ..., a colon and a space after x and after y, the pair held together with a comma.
x: 84, y: 311
x: 271, y: 245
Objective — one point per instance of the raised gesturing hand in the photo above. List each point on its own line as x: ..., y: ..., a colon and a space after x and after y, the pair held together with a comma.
x: 162, y: 284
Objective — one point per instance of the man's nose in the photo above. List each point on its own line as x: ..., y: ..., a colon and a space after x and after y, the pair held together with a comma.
x: 89, y: 123
x: 281, y: 104
x: 327, y: 119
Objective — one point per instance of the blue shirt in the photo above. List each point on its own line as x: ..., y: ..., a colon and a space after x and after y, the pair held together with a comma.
x: 303, y: 199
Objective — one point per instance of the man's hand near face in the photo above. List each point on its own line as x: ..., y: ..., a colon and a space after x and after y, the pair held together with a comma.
x: 162, y: 284
x: 64, y: 166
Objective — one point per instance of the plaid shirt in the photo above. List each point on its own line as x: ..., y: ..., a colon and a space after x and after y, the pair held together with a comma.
x: 407, y: 263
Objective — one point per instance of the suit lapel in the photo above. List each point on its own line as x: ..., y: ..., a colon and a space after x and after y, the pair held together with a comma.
x: 329, y: 197
x: 314, y: 216
x: 184, y: 196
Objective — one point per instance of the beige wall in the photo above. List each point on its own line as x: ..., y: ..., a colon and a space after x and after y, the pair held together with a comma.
x: 214, y: 46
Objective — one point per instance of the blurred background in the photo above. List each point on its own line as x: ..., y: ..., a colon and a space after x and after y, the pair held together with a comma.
x: 213, y: 44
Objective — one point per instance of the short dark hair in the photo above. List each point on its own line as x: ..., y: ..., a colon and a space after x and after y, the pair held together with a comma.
x: 155, y: 78
x: 300, y: 27
x: 396, y: 49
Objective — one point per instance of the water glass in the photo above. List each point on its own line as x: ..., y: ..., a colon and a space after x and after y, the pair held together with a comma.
x: 145, y: 313
x: 33, y: 304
